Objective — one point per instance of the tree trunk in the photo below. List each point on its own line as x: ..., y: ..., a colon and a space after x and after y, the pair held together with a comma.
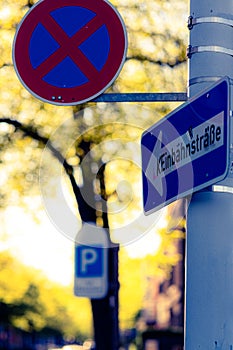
x: 105, y: 310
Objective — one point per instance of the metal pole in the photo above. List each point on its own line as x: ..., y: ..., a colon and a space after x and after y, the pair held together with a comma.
x: 209, y: 259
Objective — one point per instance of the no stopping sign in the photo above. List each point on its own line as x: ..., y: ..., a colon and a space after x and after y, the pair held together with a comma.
x: 68, y: 52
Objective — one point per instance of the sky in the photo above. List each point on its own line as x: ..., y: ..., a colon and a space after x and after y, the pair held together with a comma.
x: 38, y: 243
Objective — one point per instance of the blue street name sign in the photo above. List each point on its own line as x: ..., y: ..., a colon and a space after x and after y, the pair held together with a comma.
x: 91, y: 266
x: 187, y: 150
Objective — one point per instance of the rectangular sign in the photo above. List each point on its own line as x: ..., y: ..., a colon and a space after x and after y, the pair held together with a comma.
x: 187, y: 150
x: 90, y: 271
x: 91, y: 262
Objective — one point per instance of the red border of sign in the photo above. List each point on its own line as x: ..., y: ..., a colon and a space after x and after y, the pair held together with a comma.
x: 108, y: 15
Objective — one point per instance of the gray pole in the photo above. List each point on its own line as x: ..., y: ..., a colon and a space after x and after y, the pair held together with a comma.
x: 209, y: 268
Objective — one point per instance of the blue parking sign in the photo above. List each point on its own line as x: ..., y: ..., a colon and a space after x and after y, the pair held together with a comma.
x: 89, y: 261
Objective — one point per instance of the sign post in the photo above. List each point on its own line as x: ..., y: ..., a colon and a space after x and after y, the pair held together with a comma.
x: 209, y: 249
x: 192, y: 150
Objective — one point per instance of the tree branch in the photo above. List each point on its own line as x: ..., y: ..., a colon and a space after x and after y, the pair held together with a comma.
x: 6, y: 65
x: 32, y: 132
x: 142, y: 58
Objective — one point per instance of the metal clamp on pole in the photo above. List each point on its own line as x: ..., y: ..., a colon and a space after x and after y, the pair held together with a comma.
x: 216, y: 19
x: 208, y: 48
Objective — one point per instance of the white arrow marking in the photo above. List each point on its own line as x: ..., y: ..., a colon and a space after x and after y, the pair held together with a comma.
x: 151, y: 168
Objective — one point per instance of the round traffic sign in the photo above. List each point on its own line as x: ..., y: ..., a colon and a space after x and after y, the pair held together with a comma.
x: 67, y: 52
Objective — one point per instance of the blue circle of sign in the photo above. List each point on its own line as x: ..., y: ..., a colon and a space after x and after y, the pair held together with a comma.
x: 42, y: 45
x: 72, y: 18
x: 67, y: 74
x: 92, y: 50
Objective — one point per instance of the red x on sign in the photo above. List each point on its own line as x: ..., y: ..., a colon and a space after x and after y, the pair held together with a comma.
x: 69, y: 51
